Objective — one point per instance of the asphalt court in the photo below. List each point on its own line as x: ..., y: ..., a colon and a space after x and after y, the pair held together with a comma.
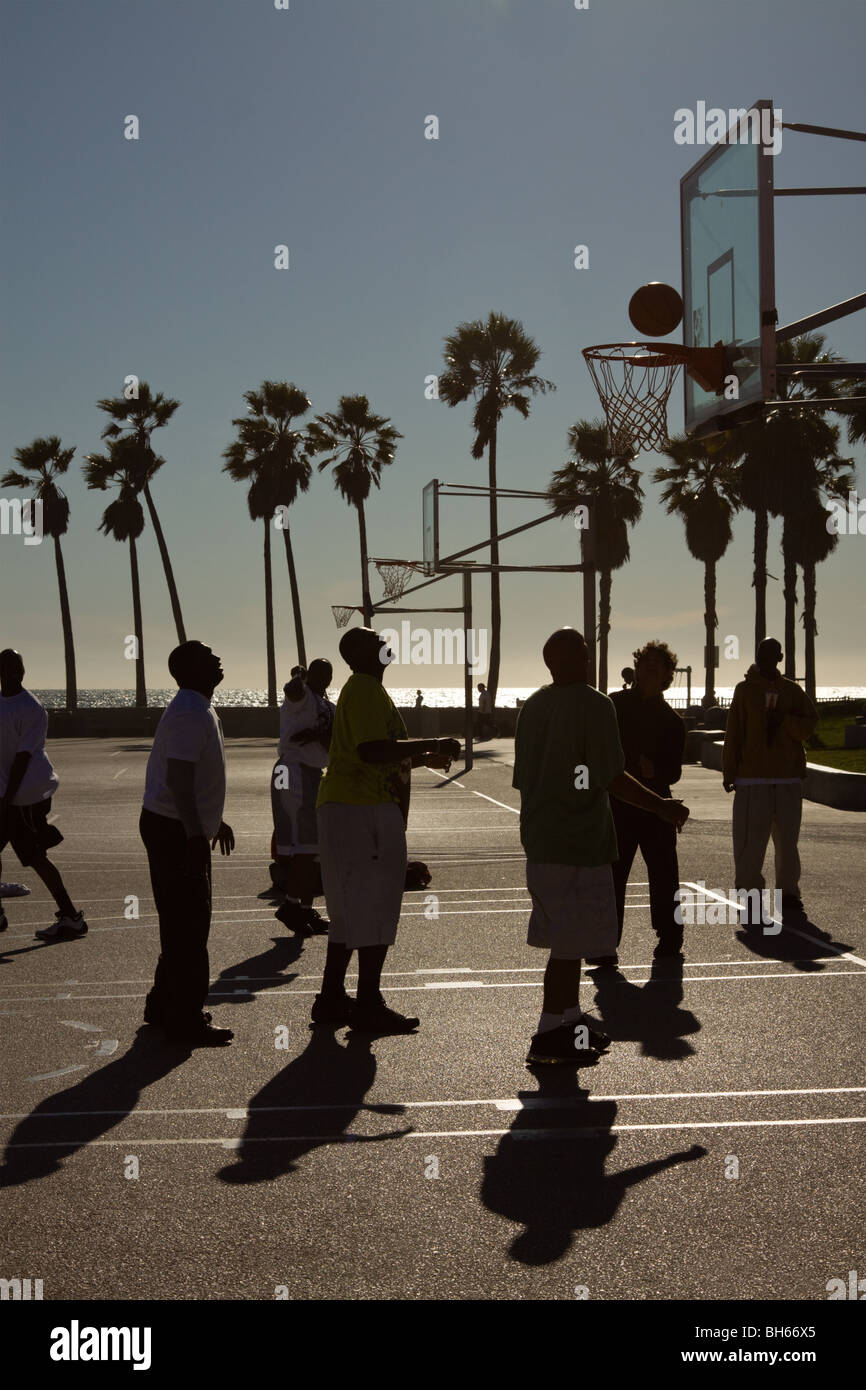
x: 439, y: 1165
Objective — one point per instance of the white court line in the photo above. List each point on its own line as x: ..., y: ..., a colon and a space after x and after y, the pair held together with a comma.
x: 437, y: 970
x: 119, y: 774
x: 244, y: 1112
x: 589, y: 1132
x: 519, y: 984
x: 795, y: 931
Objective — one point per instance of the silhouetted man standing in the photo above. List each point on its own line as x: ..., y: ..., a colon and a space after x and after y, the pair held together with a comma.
x: 653, y: 738
x: 363, y: 808
x: 180, y: 822
x: 764, y: 765
x: 567, y: 757
x: 27, y: 784
x: 306, y: 720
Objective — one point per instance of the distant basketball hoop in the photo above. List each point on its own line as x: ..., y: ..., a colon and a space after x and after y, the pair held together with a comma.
x: 395, y: 575
x: 342, y: 613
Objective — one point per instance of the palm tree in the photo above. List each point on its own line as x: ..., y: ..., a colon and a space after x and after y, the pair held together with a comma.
x: 123, y: 519
x: 359, y: 445
x: 809, y: 541
x: 268, y: 447
x: 46, y: 460
x: 701, y: 488
x: 244, y: 465
x: 142, y: 416
x: 494, y: 362
x: 612, y: 487
x: 778, y: 451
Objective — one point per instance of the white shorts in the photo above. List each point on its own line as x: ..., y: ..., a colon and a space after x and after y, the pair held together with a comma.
x: 362, y: 851
x: 573, y: 910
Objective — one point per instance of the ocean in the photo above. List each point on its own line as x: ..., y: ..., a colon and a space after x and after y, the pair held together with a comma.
x: 436, y: 697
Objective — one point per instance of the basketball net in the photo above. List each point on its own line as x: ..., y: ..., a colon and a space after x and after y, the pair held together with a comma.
x: 634, y: 382
x: 395, y: 575
x: 342, y: 613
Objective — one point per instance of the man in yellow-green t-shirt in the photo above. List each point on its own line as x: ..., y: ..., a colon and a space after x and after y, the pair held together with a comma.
x: 363, y: 806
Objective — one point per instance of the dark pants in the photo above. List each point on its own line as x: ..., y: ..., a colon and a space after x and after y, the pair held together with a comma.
x: 183, y: 902
x: 657, y: 842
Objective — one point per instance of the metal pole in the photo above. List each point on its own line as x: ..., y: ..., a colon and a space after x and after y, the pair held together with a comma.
x: 587, y: 556
x: 467, y: 670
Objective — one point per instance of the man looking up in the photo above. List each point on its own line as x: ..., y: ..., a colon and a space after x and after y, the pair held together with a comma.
x: 567, y: 758
x: 181, y: 821
x: 363, y: 807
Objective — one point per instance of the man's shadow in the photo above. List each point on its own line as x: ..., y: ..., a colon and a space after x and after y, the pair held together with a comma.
x: 327, y: 1084
x: 106, y: 1097
x: 548, y: 1176
x: 649, y: 1014
x: 793, y: 949
x: 258, y: 973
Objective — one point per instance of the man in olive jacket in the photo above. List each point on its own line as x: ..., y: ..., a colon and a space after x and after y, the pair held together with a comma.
x: 764, y: 766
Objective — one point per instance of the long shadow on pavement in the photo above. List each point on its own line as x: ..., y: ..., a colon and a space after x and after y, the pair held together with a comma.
x: 277, y: 1134
x: 258, y: 973
x: 649, y: 1014
x: 106, y: 1097
x: 554, y: 1184
x: 792, y: 949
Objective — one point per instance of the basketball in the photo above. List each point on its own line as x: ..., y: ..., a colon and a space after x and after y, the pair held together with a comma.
x: 655, y: 309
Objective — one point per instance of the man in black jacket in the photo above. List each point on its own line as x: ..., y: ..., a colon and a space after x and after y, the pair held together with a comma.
x: 653, y: 738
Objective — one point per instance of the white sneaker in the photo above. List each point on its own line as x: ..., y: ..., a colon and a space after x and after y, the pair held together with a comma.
x: 64, y: 928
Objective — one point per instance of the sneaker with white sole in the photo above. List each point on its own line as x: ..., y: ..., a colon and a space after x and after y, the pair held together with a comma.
x: 64, y: 928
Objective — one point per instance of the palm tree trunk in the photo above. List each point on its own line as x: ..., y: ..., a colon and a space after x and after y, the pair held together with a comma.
x: 810, y: 627
x: 269, y: 618
x: 709, y: 633
x: 759, y: 577
x: 166, y: 564
x: 138, y: 628
x: 296, y: 598
x: 66, y: 621
x: 604, y: 588
x: 790, y: 593
x: 495, y: 599
x: 366, y: 600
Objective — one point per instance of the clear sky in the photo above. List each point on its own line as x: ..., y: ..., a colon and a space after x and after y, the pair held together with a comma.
x: 305, y: 126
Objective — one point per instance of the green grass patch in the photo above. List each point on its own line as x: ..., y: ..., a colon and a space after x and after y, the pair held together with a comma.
x: 827, y: 746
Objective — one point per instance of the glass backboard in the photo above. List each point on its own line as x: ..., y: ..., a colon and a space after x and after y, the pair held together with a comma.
x: 430, y: 526
x: 726, y: 209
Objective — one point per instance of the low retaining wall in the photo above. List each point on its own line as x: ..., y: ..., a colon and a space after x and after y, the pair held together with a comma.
x: 256, y: 721
x: 831, y: 786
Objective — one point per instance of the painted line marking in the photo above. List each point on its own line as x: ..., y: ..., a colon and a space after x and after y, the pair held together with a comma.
x: 460, y: 984
x: 589, y: 1132
x: 119, y: 774
x: 508, y: 1102
x: 88, y: 1027
x: 805, y: 936
x: 50, y: 1075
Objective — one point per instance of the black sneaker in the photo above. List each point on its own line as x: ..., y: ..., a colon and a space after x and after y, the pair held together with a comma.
x: 332, y: 1009
x: 4, y: 920
x: 602, y: 962
x: 205, y: 1036
x: 558, y: 1046
x: 64, y: 928
x: 304, y: 921
x: 598, y: 1039
x: 378, y: 1018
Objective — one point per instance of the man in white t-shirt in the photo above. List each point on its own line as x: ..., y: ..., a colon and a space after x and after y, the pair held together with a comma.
x: 181, y: 821
x: 27, y: 784
x: 306, y: 720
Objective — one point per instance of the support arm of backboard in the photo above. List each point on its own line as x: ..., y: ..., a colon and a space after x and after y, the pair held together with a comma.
x: 835, y: 311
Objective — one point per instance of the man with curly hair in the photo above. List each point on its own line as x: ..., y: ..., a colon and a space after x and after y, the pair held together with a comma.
x: 653, y: 738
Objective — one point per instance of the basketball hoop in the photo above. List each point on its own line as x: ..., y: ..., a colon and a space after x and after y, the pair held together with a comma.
x: 634, y: 382
x: 342, y: 613
x: 395, y: 575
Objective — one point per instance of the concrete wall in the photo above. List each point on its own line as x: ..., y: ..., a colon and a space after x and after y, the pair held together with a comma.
x: 831, y: 786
